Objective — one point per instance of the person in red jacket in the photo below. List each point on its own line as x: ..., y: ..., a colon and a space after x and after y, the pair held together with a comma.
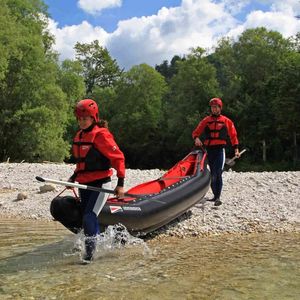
x: 213, y: 132
x: 95, y: 151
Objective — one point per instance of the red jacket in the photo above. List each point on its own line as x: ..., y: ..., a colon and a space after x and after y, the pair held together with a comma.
x: 95, y: 151
x: 216, y: 130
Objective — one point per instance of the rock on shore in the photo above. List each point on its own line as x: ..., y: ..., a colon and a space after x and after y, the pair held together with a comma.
x: 252, y: 202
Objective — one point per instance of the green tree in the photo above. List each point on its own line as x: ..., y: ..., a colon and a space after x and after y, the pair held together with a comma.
x: 105, y: 96
x: 8, y: 38
x: 71, y: 80
x: 28, y: 87
x: 190, y: 90
x: 169, y: 70
x: 228, y: 75
x: 41, y: 138
x: 99, y: 69
x: 295, y: 41
x: 286, y: 105
x: 259, y: 54
x: 247, y: 70
x: 137, y: 114
x: 72, y: 84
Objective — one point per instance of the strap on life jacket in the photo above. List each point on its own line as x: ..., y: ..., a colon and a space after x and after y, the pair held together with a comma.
x: 86, y: 156
x: 216, y: 130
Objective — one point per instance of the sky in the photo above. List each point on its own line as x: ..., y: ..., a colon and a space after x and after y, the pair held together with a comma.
x: 151, y: 31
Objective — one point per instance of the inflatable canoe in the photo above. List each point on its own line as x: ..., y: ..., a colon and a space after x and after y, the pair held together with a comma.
x: 150, y: 205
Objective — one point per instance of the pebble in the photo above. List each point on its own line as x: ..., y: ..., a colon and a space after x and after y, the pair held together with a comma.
x: 252, y: 202
x: 22, y: 196
x: 47, y: 188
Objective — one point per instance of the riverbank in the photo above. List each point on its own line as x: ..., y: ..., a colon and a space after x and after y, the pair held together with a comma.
x: 252, y: 202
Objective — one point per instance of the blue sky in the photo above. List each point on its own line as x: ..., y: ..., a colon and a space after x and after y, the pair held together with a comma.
x: 67, y: 12
x: 150, y: 31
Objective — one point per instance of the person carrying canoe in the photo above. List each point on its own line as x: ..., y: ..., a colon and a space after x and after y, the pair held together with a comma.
x: 212, y: 132
x: 95, y: 151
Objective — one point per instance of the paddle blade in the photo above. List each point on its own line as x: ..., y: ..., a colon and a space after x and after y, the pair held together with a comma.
x: 229, y: 162
x: 38, y: 178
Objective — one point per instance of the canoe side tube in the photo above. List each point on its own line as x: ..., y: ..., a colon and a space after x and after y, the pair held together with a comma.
x: 153, y: 211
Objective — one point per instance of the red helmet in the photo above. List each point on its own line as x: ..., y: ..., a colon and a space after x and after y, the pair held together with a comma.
x: 87, y: 107
x: 216, y: 101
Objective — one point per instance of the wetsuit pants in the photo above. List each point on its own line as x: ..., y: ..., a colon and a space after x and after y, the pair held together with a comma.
x: 91, y: 204
x: 216, y: 160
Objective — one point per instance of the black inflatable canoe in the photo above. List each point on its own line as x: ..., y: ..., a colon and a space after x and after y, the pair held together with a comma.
x: 157, y: 202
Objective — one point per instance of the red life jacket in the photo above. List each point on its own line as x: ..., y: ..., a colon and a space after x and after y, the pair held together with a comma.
x: 217, y: 130
x: 87, y: 157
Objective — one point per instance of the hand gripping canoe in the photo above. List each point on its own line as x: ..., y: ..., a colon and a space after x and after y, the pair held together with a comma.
x: 84, y: 187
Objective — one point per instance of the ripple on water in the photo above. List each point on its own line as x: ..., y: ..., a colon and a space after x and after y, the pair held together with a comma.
x: 36, y: 260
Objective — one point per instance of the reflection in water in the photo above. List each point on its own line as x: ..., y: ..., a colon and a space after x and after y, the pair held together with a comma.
x: 37, y: 262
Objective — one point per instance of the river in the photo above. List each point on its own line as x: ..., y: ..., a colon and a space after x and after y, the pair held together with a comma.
x: 37, y: 261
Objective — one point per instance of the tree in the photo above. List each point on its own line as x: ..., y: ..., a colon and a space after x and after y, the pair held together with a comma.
x: 40, y: 139
x: 258, y: 54
x: 190, y: 90
x: 228, y: 75
x: 246, y: 70
x: 99, y: 69
x: 72, y: 84
x: 169, y: 70
x: 71, y: 80
x: 33, y: 107
x: 286, y: 105
x: 137, y: 114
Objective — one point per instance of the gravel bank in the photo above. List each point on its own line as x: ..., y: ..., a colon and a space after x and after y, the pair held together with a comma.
x: 252, y: 202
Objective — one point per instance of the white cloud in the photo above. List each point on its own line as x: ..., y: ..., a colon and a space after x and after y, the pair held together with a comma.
x: 289, y: 7
x: 278, y: 21
x: 68, y: 36
x: 172, y: 31
x: 96, y: 6
x: 281, y: 18
x: 234, y: 6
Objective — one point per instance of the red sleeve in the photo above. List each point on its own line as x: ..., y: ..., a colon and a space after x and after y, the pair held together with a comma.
x: 232, y: 133
x: 106, y: 144
x: 199, y: 129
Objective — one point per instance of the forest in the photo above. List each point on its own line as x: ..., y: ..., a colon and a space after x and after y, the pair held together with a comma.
x: 151, y: 111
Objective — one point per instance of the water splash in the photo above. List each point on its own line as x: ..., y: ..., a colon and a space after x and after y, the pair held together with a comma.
x: 111, y: 241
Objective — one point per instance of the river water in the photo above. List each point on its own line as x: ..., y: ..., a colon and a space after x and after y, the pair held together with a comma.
x: 37, y: 261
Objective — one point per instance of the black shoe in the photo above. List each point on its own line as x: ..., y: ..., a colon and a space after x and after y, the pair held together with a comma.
x: 218, y: 202
x: 212, y: 199
x: 87, y: 259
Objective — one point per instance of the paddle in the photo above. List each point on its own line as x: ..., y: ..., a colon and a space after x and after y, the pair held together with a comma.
x: 230, y: 162
x: 84, y: 187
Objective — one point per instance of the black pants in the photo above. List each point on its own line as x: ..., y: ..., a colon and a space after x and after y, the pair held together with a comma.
x: 216, y: 160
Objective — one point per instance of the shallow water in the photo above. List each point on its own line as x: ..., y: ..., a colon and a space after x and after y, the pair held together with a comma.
x: 37, y: 262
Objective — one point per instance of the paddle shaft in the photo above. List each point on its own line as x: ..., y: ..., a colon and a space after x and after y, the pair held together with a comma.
x: 83, y: 186
x: 234, y: 158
